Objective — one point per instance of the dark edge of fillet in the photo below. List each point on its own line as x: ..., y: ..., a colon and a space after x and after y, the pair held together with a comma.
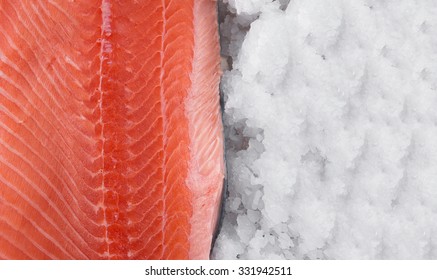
x: 221, y: 12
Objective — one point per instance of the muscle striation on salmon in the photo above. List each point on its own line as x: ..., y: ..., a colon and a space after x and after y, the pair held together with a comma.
x: 111, y: 141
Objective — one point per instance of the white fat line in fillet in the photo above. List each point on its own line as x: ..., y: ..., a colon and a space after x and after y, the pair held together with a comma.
x: 164, y: 122
x: 105, y: 49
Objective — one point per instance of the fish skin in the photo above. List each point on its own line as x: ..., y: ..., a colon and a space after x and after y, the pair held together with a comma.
x: 111, y: 141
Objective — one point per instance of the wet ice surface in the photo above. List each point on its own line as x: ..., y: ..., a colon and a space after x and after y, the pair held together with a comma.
x: 331, y: 116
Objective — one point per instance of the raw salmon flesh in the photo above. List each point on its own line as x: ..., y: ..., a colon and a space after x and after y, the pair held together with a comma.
x: 111, y: 142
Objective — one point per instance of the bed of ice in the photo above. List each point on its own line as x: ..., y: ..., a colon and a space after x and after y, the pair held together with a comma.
x: 331, y: 126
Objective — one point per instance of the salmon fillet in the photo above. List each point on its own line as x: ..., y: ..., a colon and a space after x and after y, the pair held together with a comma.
x: 111, y: 142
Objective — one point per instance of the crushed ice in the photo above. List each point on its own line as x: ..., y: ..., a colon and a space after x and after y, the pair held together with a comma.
x: 331, y: 127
